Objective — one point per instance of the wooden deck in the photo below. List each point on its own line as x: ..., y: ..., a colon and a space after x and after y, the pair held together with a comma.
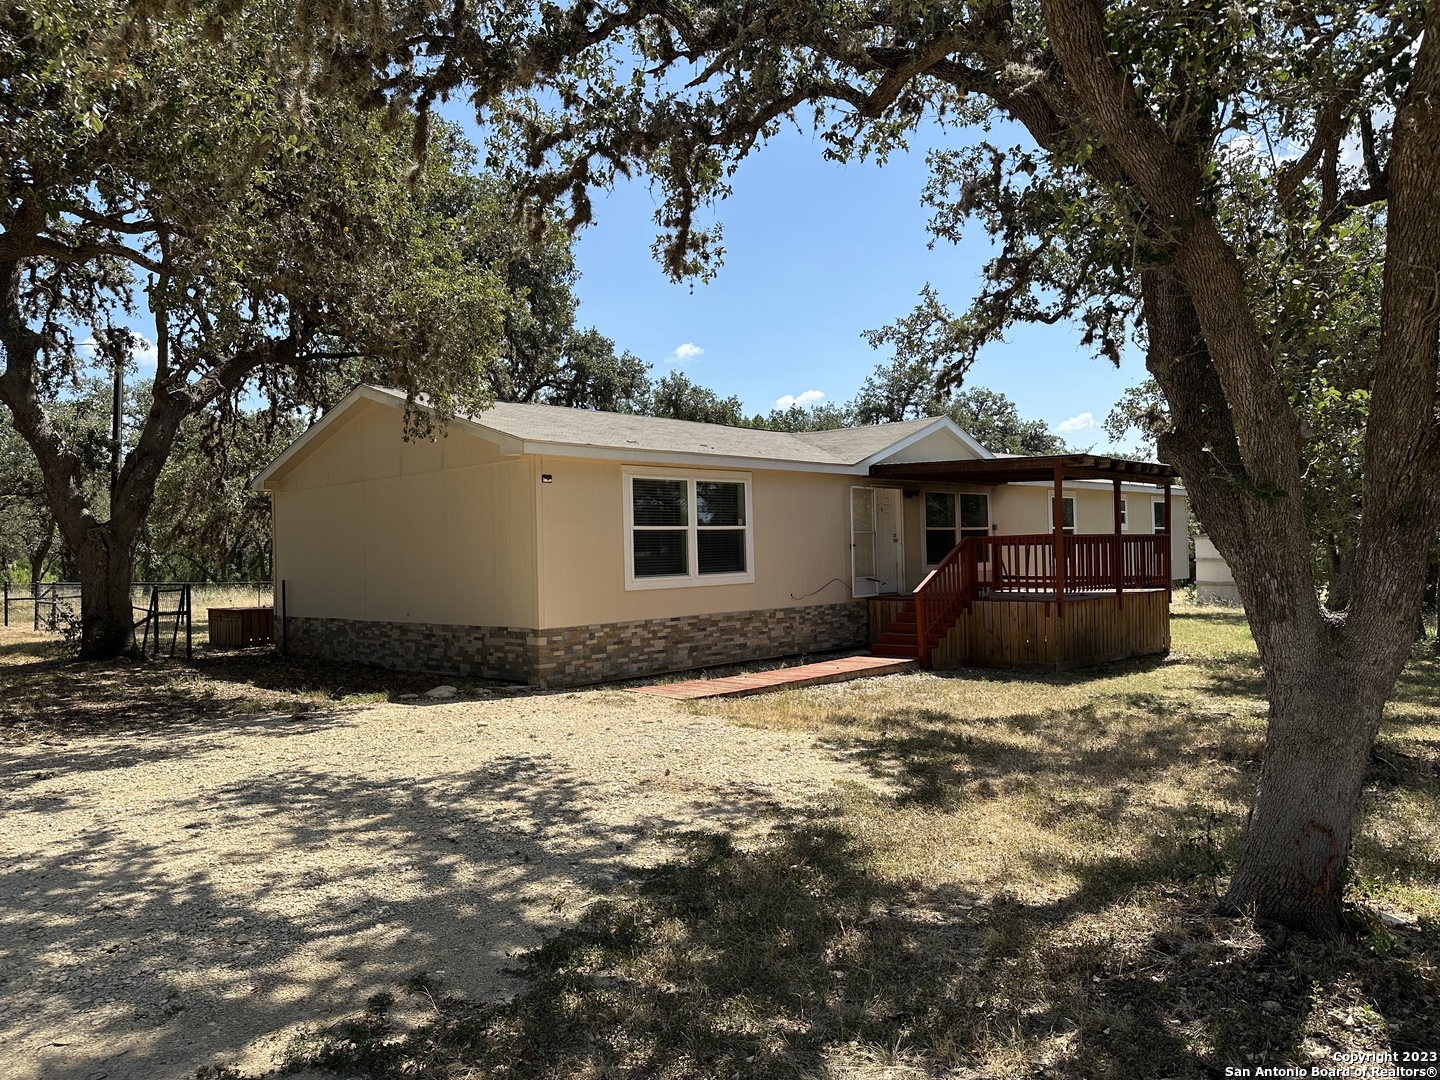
x: 1018, y: 630
x: 786, y: 678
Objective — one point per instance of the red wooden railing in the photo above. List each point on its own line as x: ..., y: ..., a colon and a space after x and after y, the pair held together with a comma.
x: 944, y: 594
x: 1026, y: 564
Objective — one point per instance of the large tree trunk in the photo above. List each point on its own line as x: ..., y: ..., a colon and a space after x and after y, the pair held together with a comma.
x: 1324, y: 708
x: 106, y: 613
x: 1236, y: 441
x: 102, y: 550
x: 1324, y: 717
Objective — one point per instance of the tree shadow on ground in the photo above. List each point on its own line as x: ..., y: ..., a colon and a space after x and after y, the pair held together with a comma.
x: 292, y: 897
x: 793, y: 959
x: 811, y: 954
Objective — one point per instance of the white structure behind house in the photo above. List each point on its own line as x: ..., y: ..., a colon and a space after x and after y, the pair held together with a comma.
x: 1214, y: 584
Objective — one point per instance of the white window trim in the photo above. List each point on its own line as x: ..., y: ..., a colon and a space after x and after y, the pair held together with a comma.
x: 1124, y: 513
x: 1155, y: 501
x: 692, y: 529
x: 1074, y: 513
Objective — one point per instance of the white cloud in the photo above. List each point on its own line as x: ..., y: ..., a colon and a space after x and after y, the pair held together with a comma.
x: 146, y: 354
x: 688, y: 351
x: 1352, y: 151
x: 805, y: 400
x: 1076, y: 424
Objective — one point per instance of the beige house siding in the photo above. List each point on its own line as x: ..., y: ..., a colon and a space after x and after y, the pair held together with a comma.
x: 370, y: 527
x: 801, y: 524
x: 938, y: 446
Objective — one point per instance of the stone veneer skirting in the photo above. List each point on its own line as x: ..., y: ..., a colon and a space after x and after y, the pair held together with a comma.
x: 575, y: 655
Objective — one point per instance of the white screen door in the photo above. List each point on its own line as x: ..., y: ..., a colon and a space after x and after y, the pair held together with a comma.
x: 875, y: 540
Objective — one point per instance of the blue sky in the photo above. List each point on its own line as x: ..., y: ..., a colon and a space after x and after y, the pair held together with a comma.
x: 816, y: 253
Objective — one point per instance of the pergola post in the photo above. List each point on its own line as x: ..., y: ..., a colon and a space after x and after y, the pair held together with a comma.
x: 1058, y: 513
x: 1118, y: 551
x: 1168, y: 549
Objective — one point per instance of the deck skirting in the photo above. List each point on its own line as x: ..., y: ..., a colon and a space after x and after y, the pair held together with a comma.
x: 1092, y: 629
x: 1034, y: 634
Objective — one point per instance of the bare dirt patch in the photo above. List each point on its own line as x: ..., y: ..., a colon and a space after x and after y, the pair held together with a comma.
x: 196, y: 862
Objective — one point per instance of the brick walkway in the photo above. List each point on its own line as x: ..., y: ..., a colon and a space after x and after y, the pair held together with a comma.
x: 788, y: 678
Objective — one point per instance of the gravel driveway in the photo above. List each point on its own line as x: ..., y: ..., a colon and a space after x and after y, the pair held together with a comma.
x: 170, y: 900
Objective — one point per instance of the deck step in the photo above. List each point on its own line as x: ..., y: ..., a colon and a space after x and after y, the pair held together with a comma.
x: 895, y: 650
x: 903, y: 641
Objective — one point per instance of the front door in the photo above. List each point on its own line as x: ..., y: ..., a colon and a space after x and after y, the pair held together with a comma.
x: 876, y: 541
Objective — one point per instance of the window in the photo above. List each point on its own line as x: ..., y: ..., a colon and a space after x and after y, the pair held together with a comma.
x: 687, y: 529
x: 941, y: 532
x: 939, y: 526
x: 974, y: 515
x: 1157, y: 509
x: 1068, y: 525
x: 1124, y: 512
x: 661, y: 526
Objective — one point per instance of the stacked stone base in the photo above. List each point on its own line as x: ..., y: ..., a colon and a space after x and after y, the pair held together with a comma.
x: 577, y: 655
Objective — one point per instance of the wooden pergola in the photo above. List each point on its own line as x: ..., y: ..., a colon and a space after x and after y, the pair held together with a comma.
x: 1052, y: 468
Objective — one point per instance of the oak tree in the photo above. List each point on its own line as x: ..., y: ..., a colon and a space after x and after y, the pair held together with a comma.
x: 186, y: 176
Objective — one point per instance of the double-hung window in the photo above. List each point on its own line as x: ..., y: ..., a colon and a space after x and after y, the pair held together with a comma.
x: 687, y: 529
x: 943, y: 529
x: 1157, y: 509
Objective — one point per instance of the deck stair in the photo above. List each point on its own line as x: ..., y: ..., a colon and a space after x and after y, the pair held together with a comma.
x: 900, y: 638
x: 936, y: 605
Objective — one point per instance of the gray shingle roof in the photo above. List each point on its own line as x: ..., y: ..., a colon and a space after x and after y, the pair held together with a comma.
x: 858, y: 443
x: 624, y: 432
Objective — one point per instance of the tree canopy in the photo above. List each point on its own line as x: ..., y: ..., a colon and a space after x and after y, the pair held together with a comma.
x: 279, y: 243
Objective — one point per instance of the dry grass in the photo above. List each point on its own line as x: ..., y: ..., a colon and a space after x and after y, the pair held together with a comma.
x: 1034, y: 899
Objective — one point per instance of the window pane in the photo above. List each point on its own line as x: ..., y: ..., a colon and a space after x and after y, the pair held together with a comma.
x: 660, y: 553
x: 939, y: 510
x: 1159, y: 515
x: 722, y: 551
x: 719, y: 504
x: 938, y: 543
x: 660, y: 502
x: 1067, y: 514
x: 863, y: 554
x: 862, y: 509
x: 974, y: 511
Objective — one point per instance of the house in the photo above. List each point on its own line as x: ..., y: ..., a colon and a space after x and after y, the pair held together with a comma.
x: 563, y: 546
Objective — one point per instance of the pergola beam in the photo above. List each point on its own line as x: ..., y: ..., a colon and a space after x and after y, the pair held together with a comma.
x: 1021, y: 469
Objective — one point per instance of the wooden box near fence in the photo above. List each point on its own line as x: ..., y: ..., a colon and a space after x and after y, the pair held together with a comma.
x: 241, y: 627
